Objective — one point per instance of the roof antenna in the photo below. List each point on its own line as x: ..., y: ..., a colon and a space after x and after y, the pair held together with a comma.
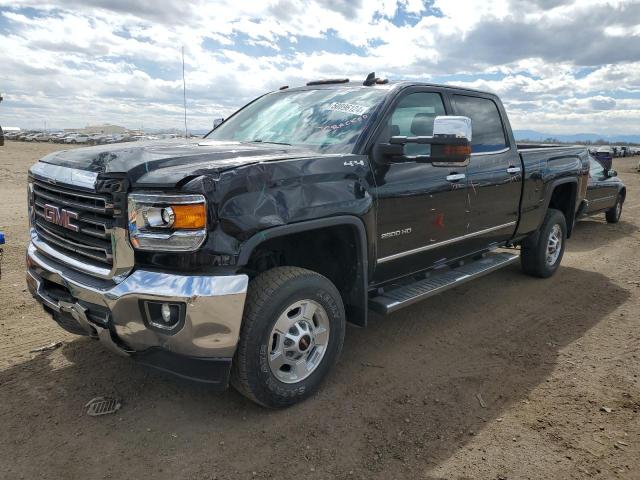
x: 184, y: 95
x: 371, y: 79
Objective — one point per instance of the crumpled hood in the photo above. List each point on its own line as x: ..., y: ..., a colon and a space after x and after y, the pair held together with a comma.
x: 170, y: 161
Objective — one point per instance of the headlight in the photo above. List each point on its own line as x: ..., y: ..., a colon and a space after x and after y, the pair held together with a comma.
x: 176, y: 223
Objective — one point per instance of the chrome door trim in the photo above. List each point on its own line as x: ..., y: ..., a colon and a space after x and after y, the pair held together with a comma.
x: 513, y: 170
x: 602, y: 199
x: 479, y: 154
x: 446, y: 242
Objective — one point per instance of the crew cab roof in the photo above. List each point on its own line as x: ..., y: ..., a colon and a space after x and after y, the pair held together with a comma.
x: 391, y: 85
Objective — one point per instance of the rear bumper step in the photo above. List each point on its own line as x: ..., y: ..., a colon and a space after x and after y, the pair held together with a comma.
x: 396, y: 298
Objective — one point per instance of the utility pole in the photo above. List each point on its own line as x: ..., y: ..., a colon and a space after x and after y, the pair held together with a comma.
x: 184, y: 95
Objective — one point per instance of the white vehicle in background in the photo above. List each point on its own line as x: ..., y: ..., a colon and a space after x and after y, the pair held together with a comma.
x: 34, y: 137
x: 63, y: 137
x: 47, y: 137
x: 97, y: 139
x: 77, y: 138
x: 117, y: 138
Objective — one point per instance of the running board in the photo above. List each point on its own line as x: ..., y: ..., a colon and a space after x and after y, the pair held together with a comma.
x: 398, y: 297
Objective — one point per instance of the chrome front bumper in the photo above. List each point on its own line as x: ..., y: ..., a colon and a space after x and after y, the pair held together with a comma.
x: 214, y: 307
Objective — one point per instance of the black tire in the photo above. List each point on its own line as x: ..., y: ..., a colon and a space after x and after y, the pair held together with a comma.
x: 533, y: 255
x: 614, y: 213
x: 269, y: 295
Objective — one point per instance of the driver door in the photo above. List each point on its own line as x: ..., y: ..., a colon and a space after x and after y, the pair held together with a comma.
x: 421, y: 208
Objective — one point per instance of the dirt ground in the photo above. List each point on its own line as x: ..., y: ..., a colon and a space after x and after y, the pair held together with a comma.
x: 504, y: 378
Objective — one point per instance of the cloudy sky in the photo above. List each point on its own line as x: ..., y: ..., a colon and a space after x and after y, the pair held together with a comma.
x: 560, y: 66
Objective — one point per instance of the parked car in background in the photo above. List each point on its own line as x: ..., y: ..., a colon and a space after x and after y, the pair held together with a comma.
x: 97, y: 139
x: 77, y: 138
x: 117, y: 138
x: 46, y: 137
x: 63, y: 137
x: 33, y: 137
x: 604, y: 155
x: 605, y: 192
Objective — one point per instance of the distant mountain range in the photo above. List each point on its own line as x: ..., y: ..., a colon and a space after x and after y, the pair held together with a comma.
x: 576, y: 138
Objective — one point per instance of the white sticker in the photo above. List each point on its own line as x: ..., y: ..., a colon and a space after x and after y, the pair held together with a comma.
x: 347, y: 108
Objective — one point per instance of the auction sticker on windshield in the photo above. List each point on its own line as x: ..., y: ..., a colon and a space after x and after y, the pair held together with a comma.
x: 348, y: 108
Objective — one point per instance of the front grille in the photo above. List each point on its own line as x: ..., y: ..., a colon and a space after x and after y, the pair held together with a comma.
x: 92, y: 242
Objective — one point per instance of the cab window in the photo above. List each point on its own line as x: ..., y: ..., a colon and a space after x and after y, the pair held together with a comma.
x: 413, y: 116
x: 487, y: 130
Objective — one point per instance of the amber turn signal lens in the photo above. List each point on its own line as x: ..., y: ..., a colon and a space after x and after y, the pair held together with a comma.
x: 455, y: 150
x: 189, y: 216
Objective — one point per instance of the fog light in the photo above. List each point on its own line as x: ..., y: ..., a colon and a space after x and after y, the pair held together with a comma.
x: 167, y: 317
x: 166, y: 312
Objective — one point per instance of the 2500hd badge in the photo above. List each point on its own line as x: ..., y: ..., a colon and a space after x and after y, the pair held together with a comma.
x: 396, y: 233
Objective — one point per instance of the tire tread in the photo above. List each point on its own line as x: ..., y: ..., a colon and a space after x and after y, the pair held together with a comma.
x: 260, y: 293
x: 532, y: 256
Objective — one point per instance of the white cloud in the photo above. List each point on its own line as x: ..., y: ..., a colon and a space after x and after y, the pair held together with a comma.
x: 560, y: 66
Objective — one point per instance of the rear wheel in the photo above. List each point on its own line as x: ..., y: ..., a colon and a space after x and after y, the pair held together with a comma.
x: 292, y: 333
x: 614, y: 213
x: 542, y: 257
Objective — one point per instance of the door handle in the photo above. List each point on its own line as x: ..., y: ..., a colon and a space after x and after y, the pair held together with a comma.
x: 454, y: 177
x: 513, y: 170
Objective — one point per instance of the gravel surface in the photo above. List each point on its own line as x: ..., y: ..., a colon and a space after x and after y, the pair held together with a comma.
x: 506, y: 378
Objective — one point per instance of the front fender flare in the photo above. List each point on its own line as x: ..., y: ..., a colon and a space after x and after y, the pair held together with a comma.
x: 357, y: 303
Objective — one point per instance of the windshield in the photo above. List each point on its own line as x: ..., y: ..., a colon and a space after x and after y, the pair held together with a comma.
x: 326, y: 120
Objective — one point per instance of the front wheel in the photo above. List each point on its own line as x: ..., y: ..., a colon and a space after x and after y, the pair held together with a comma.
x: 292, y: 333
x: 542, y: 257
x: 614, y: 213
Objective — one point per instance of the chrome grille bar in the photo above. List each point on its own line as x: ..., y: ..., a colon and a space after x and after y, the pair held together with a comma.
x: 94, y: 204
x: 92, y: 242
x: 89, y: 251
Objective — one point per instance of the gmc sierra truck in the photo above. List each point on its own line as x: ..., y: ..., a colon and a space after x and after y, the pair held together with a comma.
x: 238, y: 257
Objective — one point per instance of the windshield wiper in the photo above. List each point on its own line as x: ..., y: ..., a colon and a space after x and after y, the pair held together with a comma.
x: 258, y: 140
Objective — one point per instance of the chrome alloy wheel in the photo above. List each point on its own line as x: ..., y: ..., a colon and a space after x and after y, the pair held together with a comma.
x: 298, y: 341
x: 554, y: 245
x: 618, y: 209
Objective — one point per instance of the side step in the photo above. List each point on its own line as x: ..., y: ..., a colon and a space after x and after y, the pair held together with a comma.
x: 398, y: 297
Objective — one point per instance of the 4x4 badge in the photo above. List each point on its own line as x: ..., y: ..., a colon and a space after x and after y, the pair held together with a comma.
x: 353, y: 163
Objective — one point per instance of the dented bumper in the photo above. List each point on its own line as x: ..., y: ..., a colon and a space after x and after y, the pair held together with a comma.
x: 200, y: 346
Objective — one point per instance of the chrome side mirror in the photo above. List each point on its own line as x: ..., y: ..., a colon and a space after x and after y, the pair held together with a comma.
x: 458, y: 126
x: 449, y: 144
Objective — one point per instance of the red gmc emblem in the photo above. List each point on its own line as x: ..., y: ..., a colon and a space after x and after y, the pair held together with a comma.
x: 61, y: 217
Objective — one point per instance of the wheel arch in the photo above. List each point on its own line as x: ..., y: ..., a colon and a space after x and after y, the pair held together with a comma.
x: 348, y: 270
x: 562, y: 194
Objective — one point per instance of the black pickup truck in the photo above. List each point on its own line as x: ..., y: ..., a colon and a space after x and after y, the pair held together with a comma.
x: 239, y: 257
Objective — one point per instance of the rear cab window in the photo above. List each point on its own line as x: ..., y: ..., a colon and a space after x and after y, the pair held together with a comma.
x: 487, y: 129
